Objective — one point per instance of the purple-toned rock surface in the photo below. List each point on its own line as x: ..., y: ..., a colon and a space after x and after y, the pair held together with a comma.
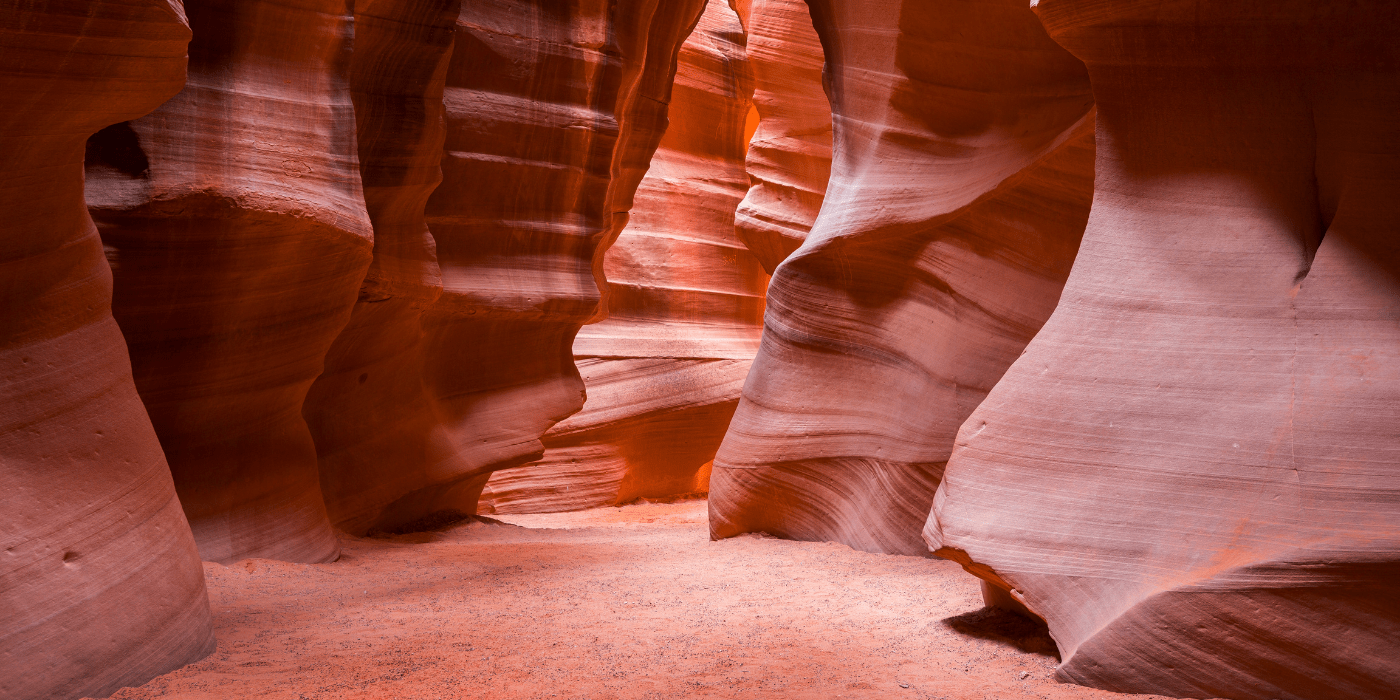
x: 1193, y: 473
x: 960, y: 183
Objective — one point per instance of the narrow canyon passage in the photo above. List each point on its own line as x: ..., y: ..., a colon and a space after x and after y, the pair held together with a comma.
x: 630, y: 602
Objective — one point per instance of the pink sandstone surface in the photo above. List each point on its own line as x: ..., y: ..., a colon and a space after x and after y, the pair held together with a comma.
x: 685, y: 304
x: 789, y: 158
x: 1193, y: 472
x: 631, y: 603
x: 100, y: 582
x: 235, y: 224
x: 1190, y: 474
x: 960, y: 184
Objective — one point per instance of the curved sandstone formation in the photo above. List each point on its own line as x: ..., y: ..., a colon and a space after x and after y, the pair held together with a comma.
x: 789, y: 158
x: 663, y: 372
x: 100, y: 582
x: 553, y: 112
x: 379, y: 435
x: 959, y: 190
x: 1193, y: 473
x: 237, y: 232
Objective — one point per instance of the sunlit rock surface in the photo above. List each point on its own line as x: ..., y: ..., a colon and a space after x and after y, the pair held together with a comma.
x: 100, y: 582
x: 960, y: 185
x: 685, y: 303
x: 1193, y: 473
x: 789, y: 158
x: 553, y: 112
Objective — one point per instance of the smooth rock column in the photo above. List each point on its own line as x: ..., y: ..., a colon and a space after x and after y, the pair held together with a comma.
x: 100, y: 582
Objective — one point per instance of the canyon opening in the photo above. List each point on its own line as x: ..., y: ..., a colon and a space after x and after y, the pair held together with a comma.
x: 615, y: 349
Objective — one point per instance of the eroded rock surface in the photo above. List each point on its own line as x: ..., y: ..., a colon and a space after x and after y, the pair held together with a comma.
x: 1193, y: 473
x: 959, y: 188
x: 379, y: 434
x: 553, y: 112
x: 100, y: 582
x: 236, y: 228
x: 789, y: 158
x: 685, y: 303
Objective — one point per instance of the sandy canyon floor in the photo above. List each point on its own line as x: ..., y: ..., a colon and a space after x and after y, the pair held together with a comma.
x: 631, y: 602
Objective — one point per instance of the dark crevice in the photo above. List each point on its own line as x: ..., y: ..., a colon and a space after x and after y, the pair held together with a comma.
x: 118, y: 147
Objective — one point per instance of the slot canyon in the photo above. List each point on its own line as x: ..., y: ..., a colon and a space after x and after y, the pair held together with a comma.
x: 517, y: 349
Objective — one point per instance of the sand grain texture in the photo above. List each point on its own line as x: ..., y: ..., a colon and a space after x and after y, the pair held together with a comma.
x: 631, y: 602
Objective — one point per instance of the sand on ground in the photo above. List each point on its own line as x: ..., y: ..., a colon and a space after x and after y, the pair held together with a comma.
x: 606, y: 604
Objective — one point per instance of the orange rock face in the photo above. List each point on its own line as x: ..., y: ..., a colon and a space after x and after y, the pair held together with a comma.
x: 379, y: 436
x: 960, y: 185
x: 685, y: 302
x: 237, y: 232
x: 789, y: 158
x: 553, y: 112
x: 1193, y: 472
x: 100, y: 582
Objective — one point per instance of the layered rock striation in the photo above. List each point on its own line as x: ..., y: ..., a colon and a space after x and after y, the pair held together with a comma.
x: 1192, y: 472
x: 685, y: 303
x: 553, y: 112
x: 235, y: 224
x: 100, y: 581
x: 380, y: 437
x: 960, y: 184
x: 789, y: 158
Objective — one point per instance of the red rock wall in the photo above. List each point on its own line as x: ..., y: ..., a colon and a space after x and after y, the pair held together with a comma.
x: 100, y: 582
x: 663, y: 372
x: 960, y: 185
x: 789, y: 158
x: 379, y: 435
x: 240, y: 235
x: 237, y: 253
x: 1193, y: 472
x: 553, y: 112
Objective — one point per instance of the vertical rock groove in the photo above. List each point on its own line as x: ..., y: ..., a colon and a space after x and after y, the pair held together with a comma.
x: 663, y: 372
x: 553, y: 112
x: 380, y: 438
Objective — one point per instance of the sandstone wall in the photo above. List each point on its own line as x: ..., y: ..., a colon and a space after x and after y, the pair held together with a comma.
x: 553, y: 112
x: 1191, y: 473
x: 380, y: 437
x: 241, y: 236
x: 236, y: 229
x: 789, y: 158
x: 960, y: 185
x: 663, y: 372
x: 100, y: 582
